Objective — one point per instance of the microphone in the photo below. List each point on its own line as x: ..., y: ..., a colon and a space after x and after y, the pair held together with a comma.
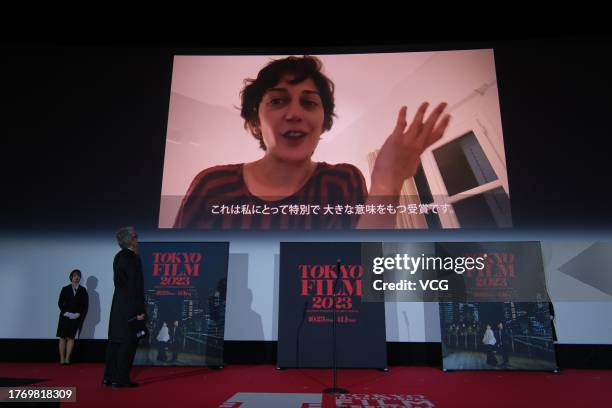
x: 140, y: 333
x: 305, y: 308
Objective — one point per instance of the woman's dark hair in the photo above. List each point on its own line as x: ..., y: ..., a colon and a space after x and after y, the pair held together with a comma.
x: 301, y: 68
x: 76, y: 271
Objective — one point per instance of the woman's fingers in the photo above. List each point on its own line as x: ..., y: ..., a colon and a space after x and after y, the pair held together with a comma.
x: 438, y: 131
x: 431, y: 121
x: 421, y: 133
x: 401, y: 123
x: 417, y: 122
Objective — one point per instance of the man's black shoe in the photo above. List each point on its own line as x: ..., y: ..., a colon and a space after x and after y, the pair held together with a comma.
x: 106, y: 383
x: 125, y: 385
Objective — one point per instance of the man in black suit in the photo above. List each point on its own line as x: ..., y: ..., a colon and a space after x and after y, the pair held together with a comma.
x: 502, y: 338
x: 176, y: 340
x: 128, y: 304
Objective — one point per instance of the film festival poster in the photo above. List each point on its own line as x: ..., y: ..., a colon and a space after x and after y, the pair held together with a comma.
x: 185, y: 291
x: 502, y: 320
x: 315, y: 279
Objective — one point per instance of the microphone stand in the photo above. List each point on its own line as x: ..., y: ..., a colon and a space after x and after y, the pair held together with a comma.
x: 297, y: 339
x: 334, y: 389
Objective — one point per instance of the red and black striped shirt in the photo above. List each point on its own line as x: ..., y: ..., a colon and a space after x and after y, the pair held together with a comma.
x: 218, y: 198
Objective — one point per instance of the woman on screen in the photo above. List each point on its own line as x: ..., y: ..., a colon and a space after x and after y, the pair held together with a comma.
x: 287, y: 108
x: 73, y: 304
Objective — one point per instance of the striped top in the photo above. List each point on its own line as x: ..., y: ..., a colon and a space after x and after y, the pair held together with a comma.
x: 218, y: 198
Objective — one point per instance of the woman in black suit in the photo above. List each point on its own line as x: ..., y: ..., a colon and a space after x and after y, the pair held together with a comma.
x: 73, y: 303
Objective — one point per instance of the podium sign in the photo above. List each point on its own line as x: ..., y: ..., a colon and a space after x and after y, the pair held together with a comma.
x: 315, y: 279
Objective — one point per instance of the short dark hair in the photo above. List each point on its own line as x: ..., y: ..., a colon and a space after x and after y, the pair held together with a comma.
x: 76, y: 271
x: 302, y: 68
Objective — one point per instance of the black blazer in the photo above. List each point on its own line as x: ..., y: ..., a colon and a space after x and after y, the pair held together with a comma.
x: 128, y: 298
x: 69, y: 302
x: 175, y: 336
x: 502, y: 339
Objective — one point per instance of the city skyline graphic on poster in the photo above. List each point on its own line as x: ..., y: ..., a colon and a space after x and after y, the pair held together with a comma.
x: 497, y: 335
x: 185, y: 293
x: 504, y: 321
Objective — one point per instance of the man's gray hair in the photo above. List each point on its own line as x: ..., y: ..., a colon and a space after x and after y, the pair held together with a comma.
x: 125, y: 235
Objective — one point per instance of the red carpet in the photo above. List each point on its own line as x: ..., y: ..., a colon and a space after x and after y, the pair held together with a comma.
x: 201, y: 387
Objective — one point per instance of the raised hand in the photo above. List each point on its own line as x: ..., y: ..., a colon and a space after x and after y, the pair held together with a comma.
x: 400, y: 155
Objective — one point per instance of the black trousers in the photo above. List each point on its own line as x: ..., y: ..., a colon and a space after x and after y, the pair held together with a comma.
x: 119, y: 360
x: 503, y: 351
x: 491, y: 360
